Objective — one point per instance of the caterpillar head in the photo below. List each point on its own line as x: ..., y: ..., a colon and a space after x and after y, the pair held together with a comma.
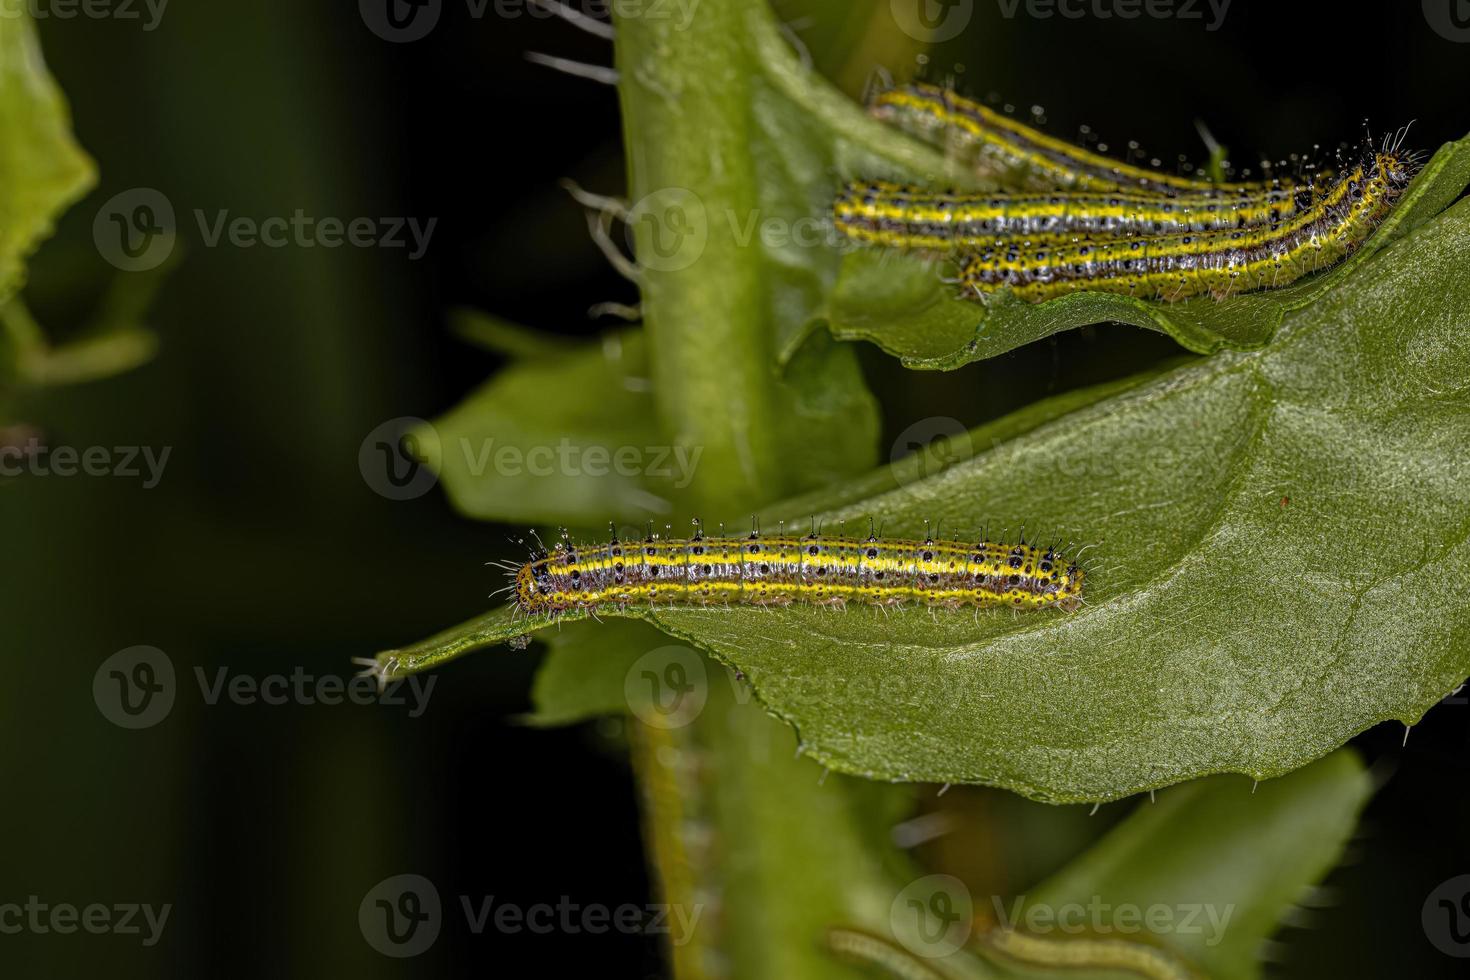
x: 532, y: 595
x: 1392, y: 168
x: 1068, y: 588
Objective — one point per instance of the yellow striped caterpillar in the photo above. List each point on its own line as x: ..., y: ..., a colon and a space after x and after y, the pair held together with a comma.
x: 781, y: 569
x: 1088, y: 952
x: 860, y: 946
x: 1214, y: 263
x: 1107, y: 225
x: 1016, y: 155
x: 899, y: 216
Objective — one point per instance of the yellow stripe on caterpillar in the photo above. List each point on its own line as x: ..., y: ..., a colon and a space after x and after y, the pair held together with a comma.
x: 781, y: 569
x: 1017, y: 155
x: 1218, y: 264
x: 900, y: 216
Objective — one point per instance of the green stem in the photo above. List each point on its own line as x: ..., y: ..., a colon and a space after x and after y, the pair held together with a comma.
x: 686, y: 98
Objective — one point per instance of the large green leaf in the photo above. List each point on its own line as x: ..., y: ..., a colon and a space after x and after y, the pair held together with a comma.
x: 1279, y: 562
x: 1225, y: 860
x: 41, y: 167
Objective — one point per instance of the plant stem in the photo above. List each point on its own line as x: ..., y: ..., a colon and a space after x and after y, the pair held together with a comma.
x: 686, y: 98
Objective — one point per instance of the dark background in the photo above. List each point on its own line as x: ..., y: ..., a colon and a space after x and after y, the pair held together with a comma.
x: 263, y: 550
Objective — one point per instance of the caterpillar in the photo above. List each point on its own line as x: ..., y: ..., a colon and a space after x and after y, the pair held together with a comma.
x: 781, y: 569
x: 1016, y: 155
x: 1215, y: 263
x: 899, y: 216
x: 1091, y: 953
x: 862, y: 947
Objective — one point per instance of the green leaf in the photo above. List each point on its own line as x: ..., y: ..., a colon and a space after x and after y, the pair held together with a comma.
x: 500, y: 336
x: 570, y: 437
x: 41, y: 167
x: 566, y: 439
x: 504, y: 624
x: 585, y: 672
x: 1230, y: 858
x: 115, y: 339
x: 899, y: 302
x: 1245, y: 615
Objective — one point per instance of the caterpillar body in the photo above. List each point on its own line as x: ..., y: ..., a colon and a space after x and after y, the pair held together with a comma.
x: 781, y: 569
x: 1092, y: 953
x: 1214, y: 263
x: 1018, y: 155
x: 859, y: 946
x: 1107, y: 225
x: 899, y: 216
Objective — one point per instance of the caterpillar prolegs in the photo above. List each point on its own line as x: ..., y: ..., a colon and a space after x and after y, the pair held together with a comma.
x: 782, y: 569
